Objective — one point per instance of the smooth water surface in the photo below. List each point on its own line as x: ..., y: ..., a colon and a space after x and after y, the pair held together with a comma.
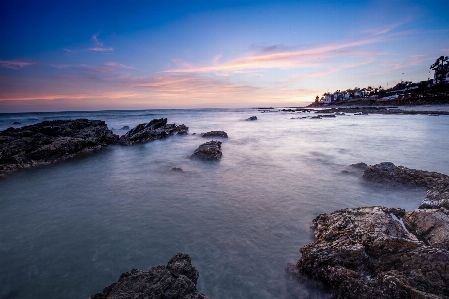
x: 70, y: 229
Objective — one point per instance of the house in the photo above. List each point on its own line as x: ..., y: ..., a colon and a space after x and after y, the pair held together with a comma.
x: 328, y: 98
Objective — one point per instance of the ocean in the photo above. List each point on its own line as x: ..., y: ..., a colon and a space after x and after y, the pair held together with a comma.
x: 70, y: 229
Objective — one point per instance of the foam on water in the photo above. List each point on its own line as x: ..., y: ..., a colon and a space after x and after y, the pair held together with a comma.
x: 72, y: 228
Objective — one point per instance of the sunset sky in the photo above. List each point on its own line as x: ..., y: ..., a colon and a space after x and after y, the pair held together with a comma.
x: 97, y: 55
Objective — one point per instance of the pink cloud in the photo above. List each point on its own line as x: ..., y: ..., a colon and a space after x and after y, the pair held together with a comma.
x: 276, y: 58
x: 15, y: 64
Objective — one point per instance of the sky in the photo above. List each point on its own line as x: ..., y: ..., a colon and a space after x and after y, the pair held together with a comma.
x: 103, y: 55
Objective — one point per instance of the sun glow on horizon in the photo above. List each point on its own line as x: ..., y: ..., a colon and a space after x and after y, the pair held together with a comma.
x: 188, y: 58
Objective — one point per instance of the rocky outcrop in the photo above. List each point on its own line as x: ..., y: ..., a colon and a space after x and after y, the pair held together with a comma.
x: 209, y: 151
x: 361, y: 166
x: 430, y: 226
x: 437, y: 195
x: 177, y: 280
x: 390, y: 174
x: 215, y: 134
x: 369, y: 253
x: 155, y: 129
x: 252, y: 118
x: 51, y: 141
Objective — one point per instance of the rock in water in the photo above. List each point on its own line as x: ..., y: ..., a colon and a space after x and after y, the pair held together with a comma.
x: 215, y: 134
x: 368, y: 253
x: 176, y: 280
x: 51, y: 141
x: 155, y: 129
x: 252, y: 118
x: 437, y: 184
x: 209, y: 151
x: 360, y: 165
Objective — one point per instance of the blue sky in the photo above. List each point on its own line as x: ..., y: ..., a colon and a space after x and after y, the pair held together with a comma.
x: 95, y: 55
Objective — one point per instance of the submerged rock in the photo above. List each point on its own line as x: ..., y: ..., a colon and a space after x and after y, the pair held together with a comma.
x: 51, y: 141
x: 125, y: 128
x: 252, y: 118
x: 215, y: 134
x: 361, y: 166
x: 176, y: 280
x: 369, y: 253
x: 209, y: 151
x: 155, y: 129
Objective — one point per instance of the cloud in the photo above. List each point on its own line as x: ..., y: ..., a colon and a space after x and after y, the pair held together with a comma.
x: 382, y: 30
x: 189, y: 84
x: 15, y: 64
x: 276, y: 57
x: 75, y: 96
x: 99, y: 46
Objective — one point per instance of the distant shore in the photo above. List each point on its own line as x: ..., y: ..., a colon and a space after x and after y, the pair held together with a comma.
x: 419, y: 109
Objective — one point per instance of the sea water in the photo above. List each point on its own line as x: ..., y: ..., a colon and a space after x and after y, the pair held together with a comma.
x: 70, y: 229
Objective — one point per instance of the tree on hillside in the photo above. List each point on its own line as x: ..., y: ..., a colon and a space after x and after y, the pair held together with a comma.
x: 441, y: 67
x: 317, y: 98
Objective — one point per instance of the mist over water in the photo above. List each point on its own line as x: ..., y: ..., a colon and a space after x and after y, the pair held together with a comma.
x: 70, y: 229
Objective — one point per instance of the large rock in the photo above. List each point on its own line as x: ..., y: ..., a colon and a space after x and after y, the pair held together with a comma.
x: 431, y: 226
x: 215, y: 134
x: 51, y: 141
x: 368, y: 253
x: 209, y: 151
x: 177, y: 280
x: 388, y: 173
x: 437, y: 184
x: 155, y: 129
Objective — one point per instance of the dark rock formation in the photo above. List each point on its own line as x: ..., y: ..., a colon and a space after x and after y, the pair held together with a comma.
x: 16, y: 123
x: 368, y: 253
x: 155, y: 129
x: 51, y: 141
x: 252, y: 118
x: 176, y: 169
x: 361, y: 166
x: 215, y: 134
x: 209, y: 151
x: 437, y: 184
x: 125, y: 128
x: 177, y: 280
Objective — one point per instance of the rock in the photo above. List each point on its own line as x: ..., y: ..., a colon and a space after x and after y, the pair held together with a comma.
x: 155, y: 129
x: 388, y: 173
x: 361, y: 166
x: 51, y: 141
x: 431, y: 226
x: 437, y: 184
x: 252, y: 118
x: 436, y: 197
x: 215, y: 134
x: 368, y: 253
x: 176, y: 280
x: 16, y: 123
x: 209, y: 151
x: 125, y: 128
x: 176, y: 169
